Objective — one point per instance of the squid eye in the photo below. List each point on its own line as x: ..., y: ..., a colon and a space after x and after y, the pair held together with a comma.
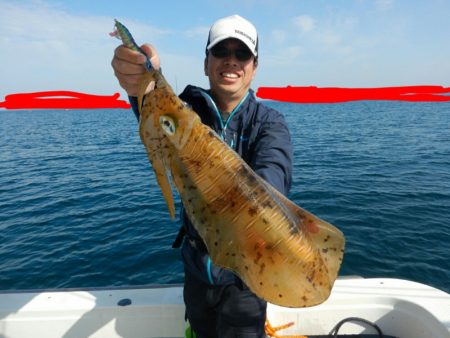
x: 167, y: 124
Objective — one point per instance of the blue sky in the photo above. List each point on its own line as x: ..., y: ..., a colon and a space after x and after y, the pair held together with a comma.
x: 64, y: 45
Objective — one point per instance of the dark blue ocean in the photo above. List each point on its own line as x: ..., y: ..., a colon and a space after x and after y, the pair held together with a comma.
x: 79, y: 205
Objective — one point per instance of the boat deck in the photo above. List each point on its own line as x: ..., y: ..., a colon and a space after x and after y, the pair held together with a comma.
x: 402, y: 309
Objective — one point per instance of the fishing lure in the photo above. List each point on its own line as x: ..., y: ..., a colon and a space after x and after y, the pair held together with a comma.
x: 122, y: 33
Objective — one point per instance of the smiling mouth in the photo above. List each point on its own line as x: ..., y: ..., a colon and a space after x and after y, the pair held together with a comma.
x: 229, y: 75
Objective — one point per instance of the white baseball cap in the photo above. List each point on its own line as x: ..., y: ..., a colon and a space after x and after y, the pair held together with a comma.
x: 236, y: 27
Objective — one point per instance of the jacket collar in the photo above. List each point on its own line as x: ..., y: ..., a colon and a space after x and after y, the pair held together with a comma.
x: 200, y: 98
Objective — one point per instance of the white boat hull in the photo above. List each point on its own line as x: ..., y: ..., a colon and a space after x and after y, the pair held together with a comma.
x: 400, y: 308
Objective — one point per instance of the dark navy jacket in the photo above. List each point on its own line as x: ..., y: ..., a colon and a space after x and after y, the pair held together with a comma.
x: 259, y: 134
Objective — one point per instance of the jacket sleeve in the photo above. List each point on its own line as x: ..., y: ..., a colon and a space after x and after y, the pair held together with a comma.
x: 273, y: 152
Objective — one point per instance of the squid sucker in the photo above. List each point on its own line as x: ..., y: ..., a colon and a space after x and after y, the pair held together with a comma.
x: 283, y: 253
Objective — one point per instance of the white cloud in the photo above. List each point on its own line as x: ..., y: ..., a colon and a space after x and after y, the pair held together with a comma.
x: 47, y: 48
x: 305, y: 23
x: 334, y: 34
x: 37, y: 21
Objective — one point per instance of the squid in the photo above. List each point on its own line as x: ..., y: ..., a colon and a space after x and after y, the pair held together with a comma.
x: 283, y: 253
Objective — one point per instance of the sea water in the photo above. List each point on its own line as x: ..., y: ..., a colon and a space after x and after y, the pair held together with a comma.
x: 80, y: 207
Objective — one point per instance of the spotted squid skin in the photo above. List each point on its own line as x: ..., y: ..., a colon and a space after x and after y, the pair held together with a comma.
x: 247, y: 226
x: 284, y: 254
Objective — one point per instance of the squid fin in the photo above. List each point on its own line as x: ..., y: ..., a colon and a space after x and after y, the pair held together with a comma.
x: 327, y: 239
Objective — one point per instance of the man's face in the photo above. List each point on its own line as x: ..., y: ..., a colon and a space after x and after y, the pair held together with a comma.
x: 230, y: 75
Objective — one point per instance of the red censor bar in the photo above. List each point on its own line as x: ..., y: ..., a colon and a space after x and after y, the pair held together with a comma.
x: 336, y: 95
x: 62, y: 100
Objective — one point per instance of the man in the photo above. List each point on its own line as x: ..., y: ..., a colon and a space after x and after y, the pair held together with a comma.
x: 218, y: 303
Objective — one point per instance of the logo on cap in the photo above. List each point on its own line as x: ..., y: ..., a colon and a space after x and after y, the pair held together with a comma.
x: 237, y: 31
